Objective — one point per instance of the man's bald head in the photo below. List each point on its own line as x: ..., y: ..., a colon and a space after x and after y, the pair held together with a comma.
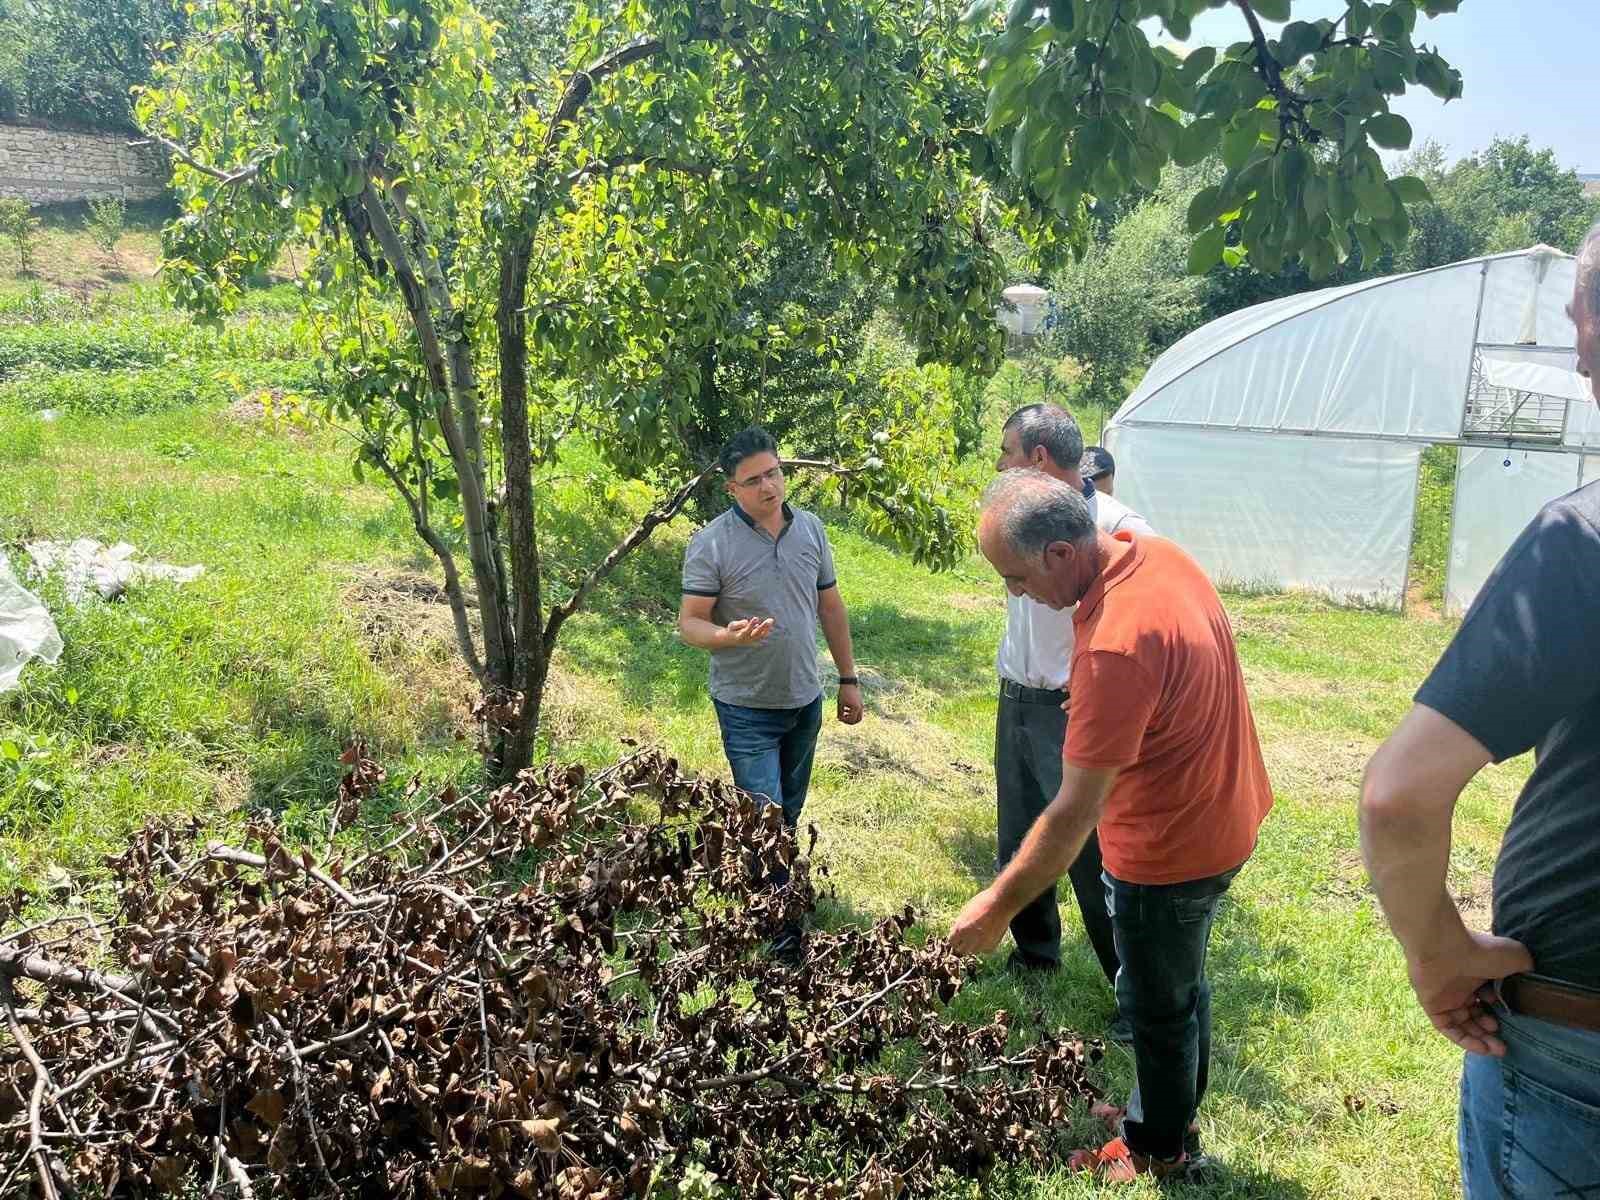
x: 1585, y: 310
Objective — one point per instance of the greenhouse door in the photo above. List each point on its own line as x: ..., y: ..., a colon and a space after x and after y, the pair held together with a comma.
x: 1498, y: 491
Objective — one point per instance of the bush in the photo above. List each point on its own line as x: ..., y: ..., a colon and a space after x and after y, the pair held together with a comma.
x: 18, y: 223
x: 36, y: 305
x: 84, y: 345
x: 108, y: 217
x: 141, y: 340
x: 136, y: 392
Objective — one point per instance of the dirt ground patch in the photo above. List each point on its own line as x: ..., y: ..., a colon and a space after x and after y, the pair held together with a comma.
x: 264, y: 407
x: 405, y: 622
x: 1317, y: 766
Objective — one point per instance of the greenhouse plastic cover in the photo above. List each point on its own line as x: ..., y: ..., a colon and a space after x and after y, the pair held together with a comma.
x: 1277, y: 510
x: 1260, y: 441
x: 1498, y: 491
x: 1384, y: 357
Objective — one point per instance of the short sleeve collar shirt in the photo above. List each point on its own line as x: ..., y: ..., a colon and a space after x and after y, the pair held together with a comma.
x: 754, y: 575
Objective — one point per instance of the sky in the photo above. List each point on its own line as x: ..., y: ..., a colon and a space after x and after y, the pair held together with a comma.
x: 1530, y: 66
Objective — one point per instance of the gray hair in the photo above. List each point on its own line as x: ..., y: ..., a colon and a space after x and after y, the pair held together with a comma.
x: 1589, y: 271
x: 1050, y: 426
x: 1033, y: 510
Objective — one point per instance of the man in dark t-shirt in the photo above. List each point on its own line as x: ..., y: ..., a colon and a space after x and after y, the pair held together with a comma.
x: 1522, y: 673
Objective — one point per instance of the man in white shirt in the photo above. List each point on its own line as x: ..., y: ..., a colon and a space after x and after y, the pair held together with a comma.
x: 1031, y: 725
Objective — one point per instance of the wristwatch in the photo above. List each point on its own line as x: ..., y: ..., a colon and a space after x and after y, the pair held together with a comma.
x: 850, y: 679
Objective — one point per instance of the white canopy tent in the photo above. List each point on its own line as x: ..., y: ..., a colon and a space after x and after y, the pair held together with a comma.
x: 1281, y: 444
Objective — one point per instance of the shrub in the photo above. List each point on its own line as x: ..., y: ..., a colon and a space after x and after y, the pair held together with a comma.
x: 18, y: 223
x: 84, y: 345
x: 141, y: 339
x: 136, y: 392
x: 108, y: 217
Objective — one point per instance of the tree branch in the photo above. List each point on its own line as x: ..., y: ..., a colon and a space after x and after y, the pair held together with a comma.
x: 469, y: 472
x: 1271, y: 69
x: 602, y: 166
x: 582, y: 83
x: 659, y: 515
x: 245, y: 173
x: 447, y: 562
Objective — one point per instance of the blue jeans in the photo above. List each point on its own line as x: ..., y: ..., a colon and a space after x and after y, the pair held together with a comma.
x: 1530, y: 1122
x: 771, y: 751
x: 1161, y: 933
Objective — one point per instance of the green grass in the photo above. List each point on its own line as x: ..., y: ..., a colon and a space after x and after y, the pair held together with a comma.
x: 1430, y: 540
x: 239, y: 690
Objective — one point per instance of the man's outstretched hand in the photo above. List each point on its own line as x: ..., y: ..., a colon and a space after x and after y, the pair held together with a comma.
x: 1454, y: 985
x: 980, y: 926
x: 747, y: 631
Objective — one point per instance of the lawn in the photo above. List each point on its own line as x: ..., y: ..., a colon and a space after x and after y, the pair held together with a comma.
x: 317, y: 620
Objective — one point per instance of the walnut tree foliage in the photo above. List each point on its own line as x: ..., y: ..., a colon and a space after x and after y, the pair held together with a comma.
x: 1090, y: 98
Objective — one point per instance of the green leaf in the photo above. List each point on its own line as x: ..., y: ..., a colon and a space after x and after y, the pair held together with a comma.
x: 1196, y: 65
x: 1373, y: 194
x: 1411, y: 190
x: 1389, y: 130
x: 1315, y: 199
x: 1020, y: 12
x: 1237, y: 144
x: 1205, y: 208
x: 1298, y: 39
x: 1272, y: 10
x: 1371, y: 244
x: 10, y: 750
x: 1063, y: 15
x: 1207, y: 250
x: 1198, y: 139
x: 72, y: 695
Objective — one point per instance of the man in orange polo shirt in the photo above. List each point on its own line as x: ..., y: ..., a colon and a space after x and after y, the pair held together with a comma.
x: 1161, y: 756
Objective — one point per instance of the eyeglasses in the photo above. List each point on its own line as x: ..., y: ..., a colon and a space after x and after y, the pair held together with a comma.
x: 775, y: 475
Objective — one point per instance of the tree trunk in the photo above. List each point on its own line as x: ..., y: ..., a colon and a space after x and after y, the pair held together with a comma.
x: 529, y: 666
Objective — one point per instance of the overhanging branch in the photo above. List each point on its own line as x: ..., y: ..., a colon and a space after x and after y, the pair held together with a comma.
x: 228, y: 178
x: 605, y: 166
x: 582, y: 84
x: 657, y: 516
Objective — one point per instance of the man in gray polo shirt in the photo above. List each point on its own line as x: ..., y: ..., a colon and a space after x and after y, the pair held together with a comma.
x: 1031, y: 726
x: 756, y: 583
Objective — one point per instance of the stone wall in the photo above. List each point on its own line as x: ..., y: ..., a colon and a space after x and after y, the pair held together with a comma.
x: 49, y: 166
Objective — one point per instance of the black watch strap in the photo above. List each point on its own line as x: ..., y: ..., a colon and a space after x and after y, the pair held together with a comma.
x: 844, y: 679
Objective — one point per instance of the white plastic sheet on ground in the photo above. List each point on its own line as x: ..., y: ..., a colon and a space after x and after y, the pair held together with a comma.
x: 1277, y: 510
x: 109, y: 570
x: 1498, y: 492
x: 26, y: 629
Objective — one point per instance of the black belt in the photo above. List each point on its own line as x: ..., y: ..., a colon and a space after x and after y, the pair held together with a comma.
x: 1028, y: 695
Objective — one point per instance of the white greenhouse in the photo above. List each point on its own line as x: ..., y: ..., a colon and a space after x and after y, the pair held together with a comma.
x: 1281, y: 444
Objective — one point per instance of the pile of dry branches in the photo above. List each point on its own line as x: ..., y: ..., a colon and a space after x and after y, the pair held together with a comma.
x: 554, y: 990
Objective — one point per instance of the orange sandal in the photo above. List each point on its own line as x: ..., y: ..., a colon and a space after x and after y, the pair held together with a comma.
x: 1115, y: 1163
